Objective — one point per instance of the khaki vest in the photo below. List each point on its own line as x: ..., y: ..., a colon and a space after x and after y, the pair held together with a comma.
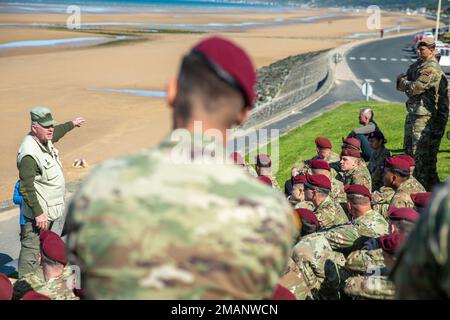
x: 50, y: 184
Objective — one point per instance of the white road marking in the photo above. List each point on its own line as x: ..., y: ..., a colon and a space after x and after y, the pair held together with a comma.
x: 403, y: 59
x: 369, y: 80
x: 385, y: 80
x: 373, y: 59
x: 413, y: 60
x: 393, y: 59
x: 383, y: 59
x: 362, y: 58
x: 352, y: 58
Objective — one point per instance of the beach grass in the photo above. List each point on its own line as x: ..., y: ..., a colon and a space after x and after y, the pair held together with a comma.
x: 298, y: 144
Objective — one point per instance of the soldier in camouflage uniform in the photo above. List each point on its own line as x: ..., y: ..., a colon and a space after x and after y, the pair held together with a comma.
x: 354, y: 168
x: 54, y: 279
x: 381, y: 200
x: 328, y: 212
x: 264, y: 168
x: 396, y: 176
x: 297, y: 197
x: 337, y: 187
x: 176, y: 222
x: 319, y: 256
x: 367, y: 270
x: 425, y: 85
x: 379, y: 153
x: 422, y: 268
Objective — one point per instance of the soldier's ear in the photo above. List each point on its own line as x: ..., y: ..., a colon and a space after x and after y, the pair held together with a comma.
x: 242, y: 116
x: 171, y: 90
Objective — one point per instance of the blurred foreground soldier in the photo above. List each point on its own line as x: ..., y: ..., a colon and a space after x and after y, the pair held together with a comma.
x: 54, y: 280
x: 425, y: 85
x: 328, y: 212
x: 420, y: 200
x: 42, y: 183
x: 239, y: 160
x: 158, y: 226
x: 354, y: 168
x: 422, y: 269
x: 379, y: 153
x: 362, y: 134
x: 33, y: 295
x: 264, y: 168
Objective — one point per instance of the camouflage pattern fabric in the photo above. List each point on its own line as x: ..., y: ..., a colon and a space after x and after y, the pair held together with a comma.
x: 428, y: 109
x: 361, y: 261
x: 370, y: 287
x: 374, y: 166
x: 402, y: 196
x: 294, y: 281
x: 358, y: 175
x: 303, y: 165
x: 148, y: 227
x: 337, y: 191
x: 329, y: 213
x: 304, y: 205
x: 422, y: 268
x: 55, y: 288
x: 381, y: 200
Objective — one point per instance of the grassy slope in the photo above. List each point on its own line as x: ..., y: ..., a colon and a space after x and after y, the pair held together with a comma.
x: 299, y: 143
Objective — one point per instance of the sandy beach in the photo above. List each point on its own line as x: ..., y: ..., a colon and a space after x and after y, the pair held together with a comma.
x: 65, y: 79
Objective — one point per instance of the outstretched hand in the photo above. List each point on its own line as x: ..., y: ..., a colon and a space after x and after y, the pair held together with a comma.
x: 77, y: 122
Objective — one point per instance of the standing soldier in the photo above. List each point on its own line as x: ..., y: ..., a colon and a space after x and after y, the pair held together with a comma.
x: 41, y: 183
x: 425, y: 85
x: 177, y: 221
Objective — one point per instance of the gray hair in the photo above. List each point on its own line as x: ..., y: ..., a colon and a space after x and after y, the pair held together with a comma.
x: 367, y: 112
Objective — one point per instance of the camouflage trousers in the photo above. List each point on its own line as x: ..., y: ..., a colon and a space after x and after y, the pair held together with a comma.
x: 370, y: 287
x: 427, y: 136
x: 407, y: 137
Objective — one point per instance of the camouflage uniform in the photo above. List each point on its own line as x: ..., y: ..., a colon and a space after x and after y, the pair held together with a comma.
x: 145, y: 227
x: 422, y: 268
x: 337, y: 191
x: 370, y: 287
x: 319, y: 255
x: 381, y: 200
x: 55, y: 288
x: 329, y: 213
x: 303, y: 166
x: 250, y: 170
x: 402, y: 196
x: 358, y: 175
x: 374, y: 166
x: 361, y: 261
x: 428, y: 110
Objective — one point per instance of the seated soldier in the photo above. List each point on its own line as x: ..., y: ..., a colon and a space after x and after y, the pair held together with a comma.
x: 354, y: 168
x: 310, y: 224
x: 297, y: 197
x: 421, y: 200
x: 33, y: 295
x: 412, y: 182
x: 317, y: 256
x: 366, y: 116
x: 377, y: 143
x: 53, y: 278
x: 239, y: 160
x: 264, y: 168
x: 337, y: 187
x: 328, y: 212
x: 376, y: 258
x: 396, y: 176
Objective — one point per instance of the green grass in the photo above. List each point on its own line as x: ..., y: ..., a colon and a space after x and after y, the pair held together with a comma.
x: 298, y: 144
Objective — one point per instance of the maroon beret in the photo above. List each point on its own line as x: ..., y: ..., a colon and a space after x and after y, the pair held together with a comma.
x: 396, y: 163
x: 403, y: 214
x: 300, y: 179
x: 408, y: 159
x: 237, y: 158
x: 45, y: 234
x: 265, y: 179
x: 54, y: 249
x: 319, y: 164
x: 230, y: 63
x: 358, y: 189
x: 318, y: 180
x: 421, y: 199
x: 33, y: 295
x: 263, y: 160
x: 308, y: 215
x: 324, y: 143
x: 281, y: 293
x: 351, y: 143
x: 349, y: 152
x: 6, y: 288
x: 391, y: 242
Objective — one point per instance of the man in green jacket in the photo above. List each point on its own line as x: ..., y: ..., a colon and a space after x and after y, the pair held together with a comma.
x: 41, y: 182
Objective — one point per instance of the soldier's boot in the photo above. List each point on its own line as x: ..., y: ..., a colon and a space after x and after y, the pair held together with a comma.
x: 29, y: 251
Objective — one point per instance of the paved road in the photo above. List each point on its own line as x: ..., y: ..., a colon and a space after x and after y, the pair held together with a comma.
x: 380, y: 62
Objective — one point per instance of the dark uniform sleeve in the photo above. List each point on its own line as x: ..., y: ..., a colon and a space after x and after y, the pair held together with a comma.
x: 28, y: 170
x: 61, y: 130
